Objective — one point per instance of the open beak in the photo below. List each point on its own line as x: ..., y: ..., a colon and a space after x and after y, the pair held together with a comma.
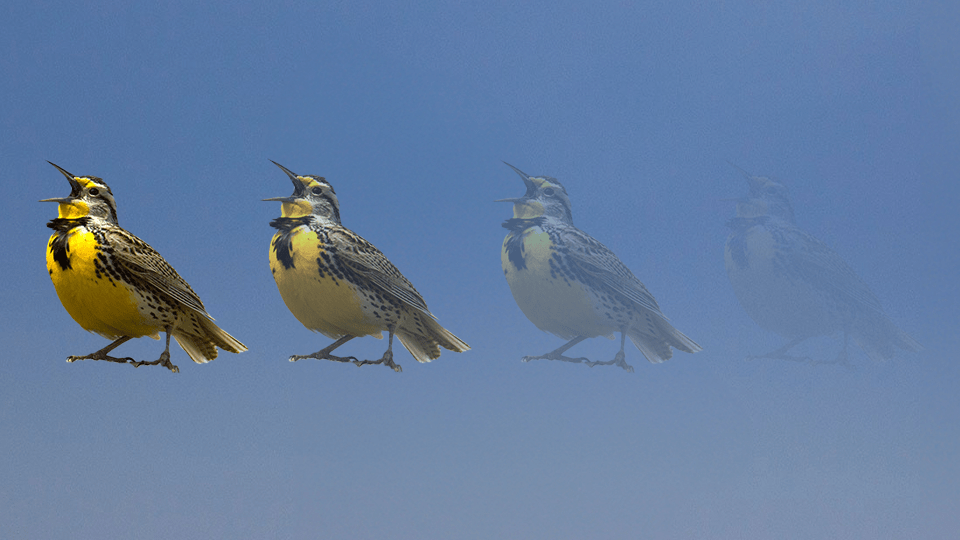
x: 297, y: 186
x: 75, y: 187
x: 531, y: 187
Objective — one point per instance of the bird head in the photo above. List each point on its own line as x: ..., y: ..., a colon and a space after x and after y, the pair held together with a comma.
x: 766, y: 198
x: 312, y: 195
x: 89, y: 197
x: 545, y: 197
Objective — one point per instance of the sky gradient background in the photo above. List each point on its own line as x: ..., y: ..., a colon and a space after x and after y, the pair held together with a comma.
x: 638, y: 108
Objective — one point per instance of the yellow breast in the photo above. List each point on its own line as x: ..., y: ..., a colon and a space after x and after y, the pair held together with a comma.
x: 553, y: 304
x: 323, y: 303
x: 98, y: 304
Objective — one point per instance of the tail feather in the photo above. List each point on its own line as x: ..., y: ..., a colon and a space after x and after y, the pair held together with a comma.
x: 199, y: 350
x: 882, y: 340
x: 424, y: 337
x: 655, y: 341
x: 199, y: 337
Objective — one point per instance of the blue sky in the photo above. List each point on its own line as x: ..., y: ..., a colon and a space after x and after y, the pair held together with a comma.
x: 638, y: 108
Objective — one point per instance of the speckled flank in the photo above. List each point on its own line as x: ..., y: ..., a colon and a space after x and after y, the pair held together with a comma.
x: 336, y: 283
x: 569, y: 284
x: 116, y: 285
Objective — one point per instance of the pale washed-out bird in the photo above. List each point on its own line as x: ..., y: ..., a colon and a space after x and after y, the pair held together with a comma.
x: 569, y: 284
x: 793, y: 284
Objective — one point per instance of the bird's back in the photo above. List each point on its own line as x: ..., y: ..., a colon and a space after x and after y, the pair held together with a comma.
x: 570, y: 284
x: 792, y: 283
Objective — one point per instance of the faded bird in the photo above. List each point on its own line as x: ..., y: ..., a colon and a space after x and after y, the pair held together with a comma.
x: 569, y: 284
x: 115, y: 285
x: 338, y: 284
x: 791, y: 283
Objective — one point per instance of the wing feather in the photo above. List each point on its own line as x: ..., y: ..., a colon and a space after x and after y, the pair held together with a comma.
x: 597, y: 261
x: 140, y: 259
x: 815, y: 263
x: 366, y: 260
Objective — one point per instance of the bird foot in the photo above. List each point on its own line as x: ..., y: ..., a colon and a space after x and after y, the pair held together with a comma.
x: 560, y: 357
x: 619, y: 360
x: 164, y: 360
x: 321, y: 355
x: 386, y: 360
x: 324, y: 356
x: 840, y: 360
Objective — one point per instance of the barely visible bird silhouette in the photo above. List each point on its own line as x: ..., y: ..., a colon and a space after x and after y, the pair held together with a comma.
x: 791, y: 283
x: 569, y: 284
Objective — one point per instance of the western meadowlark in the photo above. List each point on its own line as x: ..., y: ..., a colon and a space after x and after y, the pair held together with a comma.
x: 116, y: 285
x: 793, y: 284
x: 338, y: 284
x: 569, y: 284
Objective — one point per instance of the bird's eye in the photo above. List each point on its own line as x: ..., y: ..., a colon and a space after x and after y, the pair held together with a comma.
x: 94, y: 191
x: 548, y: 192
x: 316, y: 191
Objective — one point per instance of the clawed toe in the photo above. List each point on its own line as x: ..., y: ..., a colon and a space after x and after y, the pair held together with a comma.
x: 581, y: 360
x: 319, y: 356
x: 619, y: 360
x: 387, y: 360
x: 164, y: 361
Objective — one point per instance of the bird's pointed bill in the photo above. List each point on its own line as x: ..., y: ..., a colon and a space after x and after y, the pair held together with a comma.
x: 299, y: 188
x: 75, y: 187
x: 530, y: 185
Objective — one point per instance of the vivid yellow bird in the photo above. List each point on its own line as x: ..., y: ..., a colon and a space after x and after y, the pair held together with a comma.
x: 338, y: 284
x: 569, y: 284
x: 115, y: 285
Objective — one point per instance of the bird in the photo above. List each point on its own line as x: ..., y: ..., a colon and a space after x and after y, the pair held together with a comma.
x: 115, y: 285
x: 571, y: 285
x: 336, y: 283
x: 793, y: 284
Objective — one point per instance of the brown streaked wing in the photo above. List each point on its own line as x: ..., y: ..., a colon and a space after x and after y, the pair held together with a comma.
x: 596, y: 260
x: 365, y: 259
x: 143, y: 261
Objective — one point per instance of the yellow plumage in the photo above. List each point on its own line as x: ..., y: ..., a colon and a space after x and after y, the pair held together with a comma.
x: 561, y: 307
x: 569, y: 284
x: 338, y: 284
x: 116, y: 285
x: 339, y: 313
x: 107, y: 308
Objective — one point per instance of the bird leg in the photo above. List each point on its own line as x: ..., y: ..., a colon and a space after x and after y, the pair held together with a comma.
x: 387, y: 358
x: 324, y: 354
x: 780, y: 354
x: 841, y: 358
x: 164, y: 359
x: 619, y: 360
x: 558, y: 354
x: 102, y: 353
